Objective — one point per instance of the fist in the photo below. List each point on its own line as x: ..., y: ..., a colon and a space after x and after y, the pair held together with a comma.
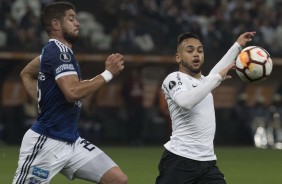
x: 115, y: 64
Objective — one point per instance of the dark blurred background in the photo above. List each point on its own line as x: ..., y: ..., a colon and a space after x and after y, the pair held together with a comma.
x: 131, y: 110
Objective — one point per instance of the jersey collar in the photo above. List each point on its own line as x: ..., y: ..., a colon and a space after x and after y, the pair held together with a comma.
x: 55, y: 40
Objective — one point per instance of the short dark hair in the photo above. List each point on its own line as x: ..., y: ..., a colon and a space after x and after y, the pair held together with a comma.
x: 186, y: 35
x: 52, y: 11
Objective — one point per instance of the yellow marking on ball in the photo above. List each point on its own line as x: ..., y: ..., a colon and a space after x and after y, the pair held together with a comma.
x: 244, y: 58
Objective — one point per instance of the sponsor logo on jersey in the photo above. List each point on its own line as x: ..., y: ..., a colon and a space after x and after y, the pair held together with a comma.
x: 41, y: 173
x: 171, y: 84
x: 64, y: 56
x: 194, y: 85
x: 64, y: 67
x: 33, y: 180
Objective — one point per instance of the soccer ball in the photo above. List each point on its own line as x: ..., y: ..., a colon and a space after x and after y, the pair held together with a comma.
x: 253, y: 64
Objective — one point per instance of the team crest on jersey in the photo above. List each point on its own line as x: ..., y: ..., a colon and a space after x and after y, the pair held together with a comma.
x: 64, y: 56
x: 171, y: 84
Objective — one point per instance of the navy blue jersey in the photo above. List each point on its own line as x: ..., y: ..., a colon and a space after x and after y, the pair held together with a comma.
x: 57, y: 118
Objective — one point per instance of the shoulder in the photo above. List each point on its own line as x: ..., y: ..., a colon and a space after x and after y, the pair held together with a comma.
x: 176, y: 76
x: 175, y: 80
x: 56, y: 50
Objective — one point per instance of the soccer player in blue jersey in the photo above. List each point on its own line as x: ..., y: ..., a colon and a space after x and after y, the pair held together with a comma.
x: 53, y: 145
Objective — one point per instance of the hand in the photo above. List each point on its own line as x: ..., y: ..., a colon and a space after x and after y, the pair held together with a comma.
x: 245, y: 37
x: 114, y: 64
x: 223, y: 73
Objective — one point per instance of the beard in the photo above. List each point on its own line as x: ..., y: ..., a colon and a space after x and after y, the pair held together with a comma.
x: 190, y: 68
x: 70, y: 37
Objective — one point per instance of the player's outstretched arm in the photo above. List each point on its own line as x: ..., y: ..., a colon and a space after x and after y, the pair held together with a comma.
x: 232, y: 53
x: 29, y: 77
x: 184, y: 100
x: 74, y: 90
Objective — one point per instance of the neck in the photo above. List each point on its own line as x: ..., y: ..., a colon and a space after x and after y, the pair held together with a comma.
x: 194, y: 75
x: 61, y: 39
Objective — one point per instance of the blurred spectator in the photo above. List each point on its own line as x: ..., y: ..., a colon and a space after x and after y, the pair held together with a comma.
x: 150, y: 25
x: 92, y: 33
x: 5, y: 8
x: 30, y: 111
x: 28, y: 29
x: 241, y: 114
x: 13, y: 116
x: 123, y: 35
x: 126, y: 36
x: 133, y: 91
x: 276, y: 126
x: 261, y: 123
x: 90, y: 126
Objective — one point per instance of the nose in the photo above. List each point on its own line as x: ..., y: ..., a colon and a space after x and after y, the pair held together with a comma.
x: 76, y: 23
x: 196, y: 54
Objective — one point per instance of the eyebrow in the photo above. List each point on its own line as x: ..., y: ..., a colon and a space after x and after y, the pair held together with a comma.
x: 71, y: 15
x: 191, y: 46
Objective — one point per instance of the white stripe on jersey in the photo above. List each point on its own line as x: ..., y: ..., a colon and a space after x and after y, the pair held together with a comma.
x: 65, y: 73
x: 61, y: 46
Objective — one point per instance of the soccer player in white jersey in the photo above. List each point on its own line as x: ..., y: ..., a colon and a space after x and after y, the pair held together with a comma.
x: 53, y: 144
x: 189, y: 156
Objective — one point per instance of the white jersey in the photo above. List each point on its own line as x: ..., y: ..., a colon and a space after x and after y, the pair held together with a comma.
x: 191, y: 107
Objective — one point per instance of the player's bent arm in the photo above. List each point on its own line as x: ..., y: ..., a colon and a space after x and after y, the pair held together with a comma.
x: 188, y: 99
x: 74, y: 90
x: 29, y: 76
x: 227, y: 59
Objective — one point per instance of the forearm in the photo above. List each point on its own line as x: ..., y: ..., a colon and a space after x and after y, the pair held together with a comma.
x: 74, y: 89
x: 88, y: 87
x: 227, y: 59
x: 189, y: 99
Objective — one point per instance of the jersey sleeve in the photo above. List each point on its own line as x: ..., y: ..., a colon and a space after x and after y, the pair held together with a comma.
x: 174, y: 84
x: 227, y: 59
x: 187, y: 93
x: 60, y: 60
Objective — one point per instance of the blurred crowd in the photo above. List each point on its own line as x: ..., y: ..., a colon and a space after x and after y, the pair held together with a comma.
x: 147, y: 26
x: 261, y: 122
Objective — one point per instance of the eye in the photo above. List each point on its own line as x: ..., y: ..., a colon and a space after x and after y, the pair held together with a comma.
x: 200, y: 50
x: 190, y: 49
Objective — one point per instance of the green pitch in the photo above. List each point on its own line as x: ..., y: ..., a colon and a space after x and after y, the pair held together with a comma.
x: 242, y: 165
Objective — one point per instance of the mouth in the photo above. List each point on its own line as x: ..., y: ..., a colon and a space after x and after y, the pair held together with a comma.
x: 196, y: 62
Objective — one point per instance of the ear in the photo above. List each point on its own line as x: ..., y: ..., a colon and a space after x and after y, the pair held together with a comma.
x: 56, y: 25
x: 177, y: 57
